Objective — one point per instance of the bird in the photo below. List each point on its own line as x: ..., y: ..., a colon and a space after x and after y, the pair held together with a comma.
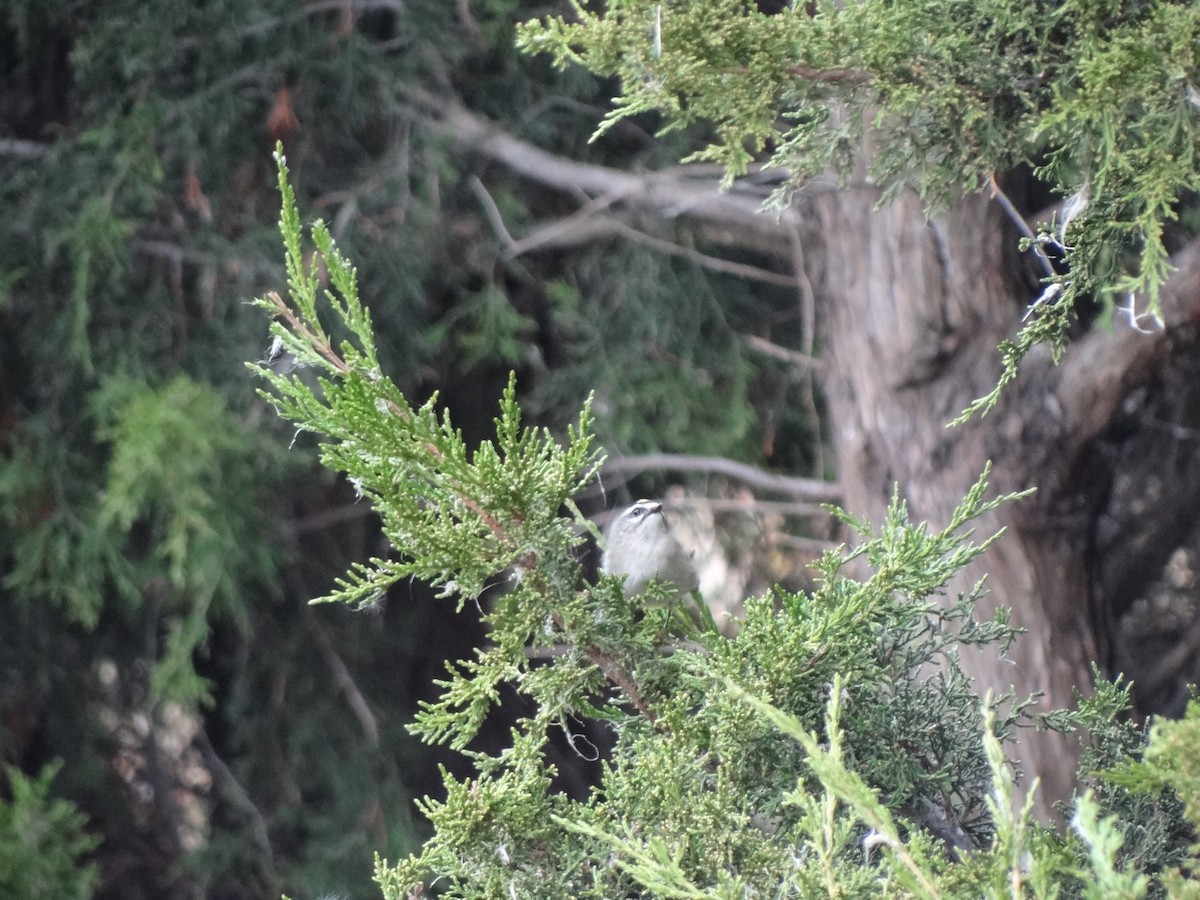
x: 639, y: 545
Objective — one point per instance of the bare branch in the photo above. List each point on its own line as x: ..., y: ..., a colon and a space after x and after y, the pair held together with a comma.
x: 805, y: 544
x: 617, y: 674
x: 178, y: 255
x: 1102, y: 365
x: 810, y: 489
x: 1174, y: 667
x: 468, y: 22
x: 808, y: 318
x: 783, y: 354
x: 1022, y: 226
x: 586, y: 225
x: 577, y: 228
x: 775, y: 507
x: 810, y: 73
x: 714, y: 263
x: 331, y: 517
x: 493, y: 212
x: 24, y: 149
x: 855, y: 76
x: 344, y: 681
x: 795, y: 508
x: 231, y: 790
x: 669, y: 194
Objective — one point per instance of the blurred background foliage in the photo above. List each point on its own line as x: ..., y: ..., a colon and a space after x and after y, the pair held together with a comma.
x: 161, y: 530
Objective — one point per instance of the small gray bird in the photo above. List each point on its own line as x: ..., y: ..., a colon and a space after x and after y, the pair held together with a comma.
x: 640, y: 546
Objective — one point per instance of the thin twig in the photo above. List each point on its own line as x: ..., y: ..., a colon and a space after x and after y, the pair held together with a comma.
x: 805, y: 544
x: 322, y: 346
x: 557, y: 651
x: 778, y: 507
x: 616, y: 673
x: 665, y: 194
x: 178, y: 254
x: 232, y: 791
x: 797, y: 509
x: 310, y: 337
x: 328, y: 518
x: 492, y: 211
x: 810, y: 73
x: 741, y: 270
x: 1017, y: 219
x: 343, y: 680
x: 856, y: 76
x: 584, y: 219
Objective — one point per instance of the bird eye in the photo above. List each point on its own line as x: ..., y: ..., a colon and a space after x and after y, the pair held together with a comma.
x: 636, y: 511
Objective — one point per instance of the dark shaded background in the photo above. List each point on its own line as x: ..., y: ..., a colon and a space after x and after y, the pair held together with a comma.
x: 161, y: 532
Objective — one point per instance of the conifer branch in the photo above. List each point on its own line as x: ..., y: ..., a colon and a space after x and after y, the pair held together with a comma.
x: 312, y: 338
x: 809, y: 73
x: 617, y: 674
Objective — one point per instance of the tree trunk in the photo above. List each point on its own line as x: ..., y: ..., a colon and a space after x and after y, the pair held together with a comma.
x: 913, y: 311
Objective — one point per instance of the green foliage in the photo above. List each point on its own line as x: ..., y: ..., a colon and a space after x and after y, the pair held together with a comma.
x: 1172, y: 760
x: 130, y: 236
x: 177, y: 521
x: 1155, y: 831
x: 460, y: 517
x: 671, y: 342
x: 705, y: 794
x: 43, y: 841
x: 184, y: 473
x: 1100, y: 98
x: 831, y: 746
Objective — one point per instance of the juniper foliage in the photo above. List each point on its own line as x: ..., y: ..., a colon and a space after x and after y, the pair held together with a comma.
x: 830, y: 745
x: 1099, y: 98
x: 43, y: 842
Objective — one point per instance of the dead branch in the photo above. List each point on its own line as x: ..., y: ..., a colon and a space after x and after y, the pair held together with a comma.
x: 20, y: 149
x: 809, y: 73
x: 1103, y: 365
x: 670, y: 194
x: 229, y: 789
x: 586, y: 225
x: 802, y: 361
x: 344, y: 681
x: 810, y: 489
